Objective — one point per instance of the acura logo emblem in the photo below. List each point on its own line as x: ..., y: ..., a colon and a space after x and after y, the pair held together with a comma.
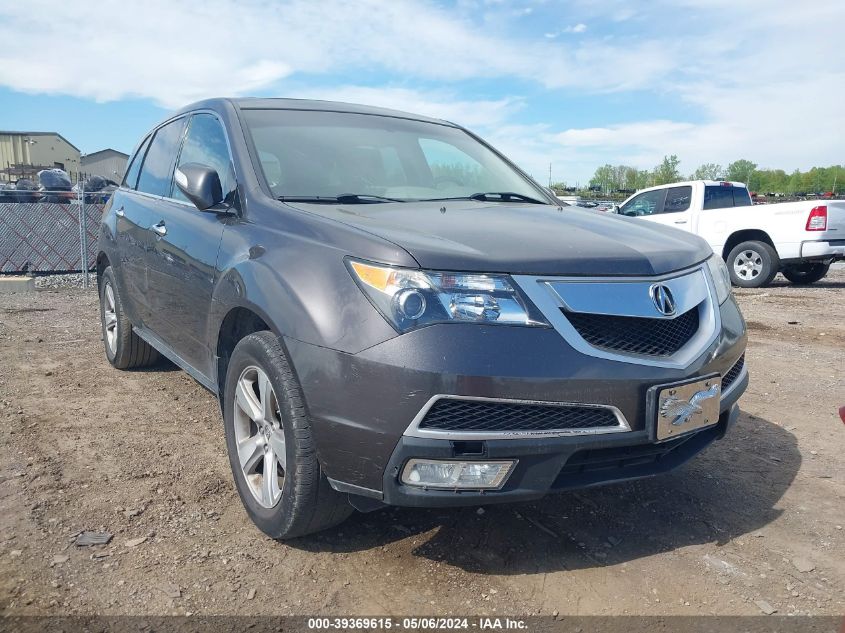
x: 663, y: 299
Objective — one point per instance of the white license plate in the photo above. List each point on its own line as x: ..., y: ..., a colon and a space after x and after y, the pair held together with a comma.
x: 688, y: 407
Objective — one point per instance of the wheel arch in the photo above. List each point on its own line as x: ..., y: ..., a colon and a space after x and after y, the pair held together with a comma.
x: 745, y: 235
x: 237, y: 323
x: 103, y: 262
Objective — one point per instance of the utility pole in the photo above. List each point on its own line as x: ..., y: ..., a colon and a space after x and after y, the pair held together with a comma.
x: 550, y: 175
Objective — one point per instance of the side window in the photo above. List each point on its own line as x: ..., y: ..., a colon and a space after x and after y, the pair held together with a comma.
x: 131, y: 177
x: 741, y: 197
x: 647, y: 203
x: 205, y: 143
x: 157, y: 171
x: 718, y: 197
x: 677, y: 199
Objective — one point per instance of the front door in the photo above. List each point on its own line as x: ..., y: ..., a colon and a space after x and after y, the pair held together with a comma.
x: 182, y: 271
x: 676, y: 210
x: 183, y: 265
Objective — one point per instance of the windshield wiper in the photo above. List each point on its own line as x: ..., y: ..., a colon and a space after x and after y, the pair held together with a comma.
x: 504, y: 196
x: 344, y: 198
x: 359, y: 198
x: 316, y: 199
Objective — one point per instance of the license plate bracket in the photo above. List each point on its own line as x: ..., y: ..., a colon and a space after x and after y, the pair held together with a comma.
x: 684, y: 407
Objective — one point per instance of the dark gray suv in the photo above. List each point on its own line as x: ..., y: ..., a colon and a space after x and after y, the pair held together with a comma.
x: 391, y: 312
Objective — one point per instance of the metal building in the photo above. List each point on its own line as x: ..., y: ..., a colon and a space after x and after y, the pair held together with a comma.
x: 24, y: 154
x: 108, y: 163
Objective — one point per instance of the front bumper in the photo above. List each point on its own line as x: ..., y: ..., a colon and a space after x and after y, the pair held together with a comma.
x: 362, y: 404
x: 553, y: 464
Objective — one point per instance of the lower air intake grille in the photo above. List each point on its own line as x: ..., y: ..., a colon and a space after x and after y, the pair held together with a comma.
x: 450, y: 414
x: 635, y: 335
x: 733, y: 373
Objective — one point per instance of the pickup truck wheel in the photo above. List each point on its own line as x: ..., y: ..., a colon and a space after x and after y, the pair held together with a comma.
x: 753, y: 264
x: 806, y: 273
x: 124, y: 348
x: 271, y: 444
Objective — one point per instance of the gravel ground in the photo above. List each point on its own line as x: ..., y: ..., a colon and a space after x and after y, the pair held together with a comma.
x: 753, y: 525
x: 63, y: 280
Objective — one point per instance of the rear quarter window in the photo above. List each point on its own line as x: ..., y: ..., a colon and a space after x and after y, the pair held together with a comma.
x: 130, y: 180
x: 741, y: 197
x: 157, y: 170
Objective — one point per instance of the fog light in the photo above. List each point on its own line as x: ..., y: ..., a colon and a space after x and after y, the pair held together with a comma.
x: 429, y: 473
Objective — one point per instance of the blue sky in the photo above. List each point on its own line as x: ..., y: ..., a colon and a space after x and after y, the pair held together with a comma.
x: 575, y: 84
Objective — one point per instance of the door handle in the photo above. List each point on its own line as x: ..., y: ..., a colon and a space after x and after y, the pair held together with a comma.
x: 119, y: 212
x: 680, y: 221
x: 159, y: 229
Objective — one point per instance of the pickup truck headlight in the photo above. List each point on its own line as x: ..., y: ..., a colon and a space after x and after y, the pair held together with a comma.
x: 411, y: 298
x: 721, y: 278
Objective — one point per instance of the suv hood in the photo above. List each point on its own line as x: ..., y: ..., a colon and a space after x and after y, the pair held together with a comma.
x: 529, y: 239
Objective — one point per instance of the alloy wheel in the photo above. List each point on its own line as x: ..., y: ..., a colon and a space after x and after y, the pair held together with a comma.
x: 748, y: 264
x: 260, y: 436
x: 110, y: 318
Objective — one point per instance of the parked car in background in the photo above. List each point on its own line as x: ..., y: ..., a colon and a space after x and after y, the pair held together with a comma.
x: 800, y: 239
x: 391, y: 312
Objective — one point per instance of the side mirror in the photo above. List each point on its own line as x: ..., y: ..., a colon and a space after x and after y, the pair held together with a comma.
x: 200, y: 184
x: 614, y: 208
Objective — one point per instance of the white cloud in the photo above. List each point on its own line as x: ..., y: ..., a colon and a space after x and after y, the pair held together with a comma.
x: 760, y: 79
x: 440, y: 104
x: 175, y: 52
x: 764, y: 81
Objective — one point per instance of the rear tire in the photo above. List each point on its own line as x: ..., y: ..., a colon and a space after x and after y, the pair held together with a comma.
x: 124, y: 348
x: 753, y: 264
x: 803, y: 274
x: 268, y: 430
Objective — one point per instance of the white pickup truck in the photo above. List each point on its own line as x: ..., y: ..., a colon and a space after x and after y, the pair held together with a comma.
x: 800, y: 239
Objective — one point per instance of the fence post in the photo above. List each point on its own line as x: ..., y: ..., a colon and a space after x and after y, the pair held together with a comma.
x: 83, y: 232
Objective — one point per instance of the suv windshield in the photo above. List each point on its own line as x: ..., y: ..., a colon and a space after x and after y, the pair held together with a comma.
x: 323, y: 156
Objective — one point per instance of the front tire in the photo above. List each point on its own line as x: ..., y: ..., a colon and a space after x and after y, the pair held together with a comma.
x: 753, y: 264
x: 124, y: 348
x: 804, y: 274
x: 271, y: 445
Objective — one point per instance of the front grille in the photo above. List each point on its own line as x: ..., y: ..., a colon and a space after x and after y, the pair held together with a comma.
x: 733, y: 373
x: 450, y: 414
x: 635, y: 335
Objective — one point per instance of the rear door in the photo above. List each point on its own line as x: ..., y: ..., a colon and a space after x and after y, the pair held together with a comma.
x: 721, y: 207
x: 133, y: 240
x: 183, y: 266
x: 153, y: 184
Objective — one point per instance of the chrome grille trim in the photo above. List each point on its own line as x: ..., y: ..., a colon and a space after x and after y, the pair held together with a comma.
x: 692, y: 288
x: 414, y: 429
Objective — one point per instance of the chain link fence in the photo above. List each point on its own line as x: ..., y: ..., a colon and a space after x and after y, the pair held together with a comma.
x: 49, y: 237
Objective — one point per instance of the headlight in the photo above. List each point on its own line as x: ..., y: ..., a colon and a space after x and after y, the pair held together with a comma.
x: 412, y: 298
x: 721, y: 278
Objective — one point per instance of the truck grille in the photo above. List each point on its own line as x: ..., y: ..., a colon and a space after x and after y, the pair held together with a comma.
x: 733, y: 373
x: 635, y: 335
x: 449, y: 414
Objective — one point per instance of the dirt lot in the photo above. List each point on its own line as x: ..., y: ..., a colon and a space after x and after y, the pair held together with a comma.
x: 753, y: 524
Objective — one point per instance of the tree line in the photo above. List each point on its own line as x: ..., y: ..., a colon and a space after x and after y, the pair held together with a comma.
x: 614, y: 178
